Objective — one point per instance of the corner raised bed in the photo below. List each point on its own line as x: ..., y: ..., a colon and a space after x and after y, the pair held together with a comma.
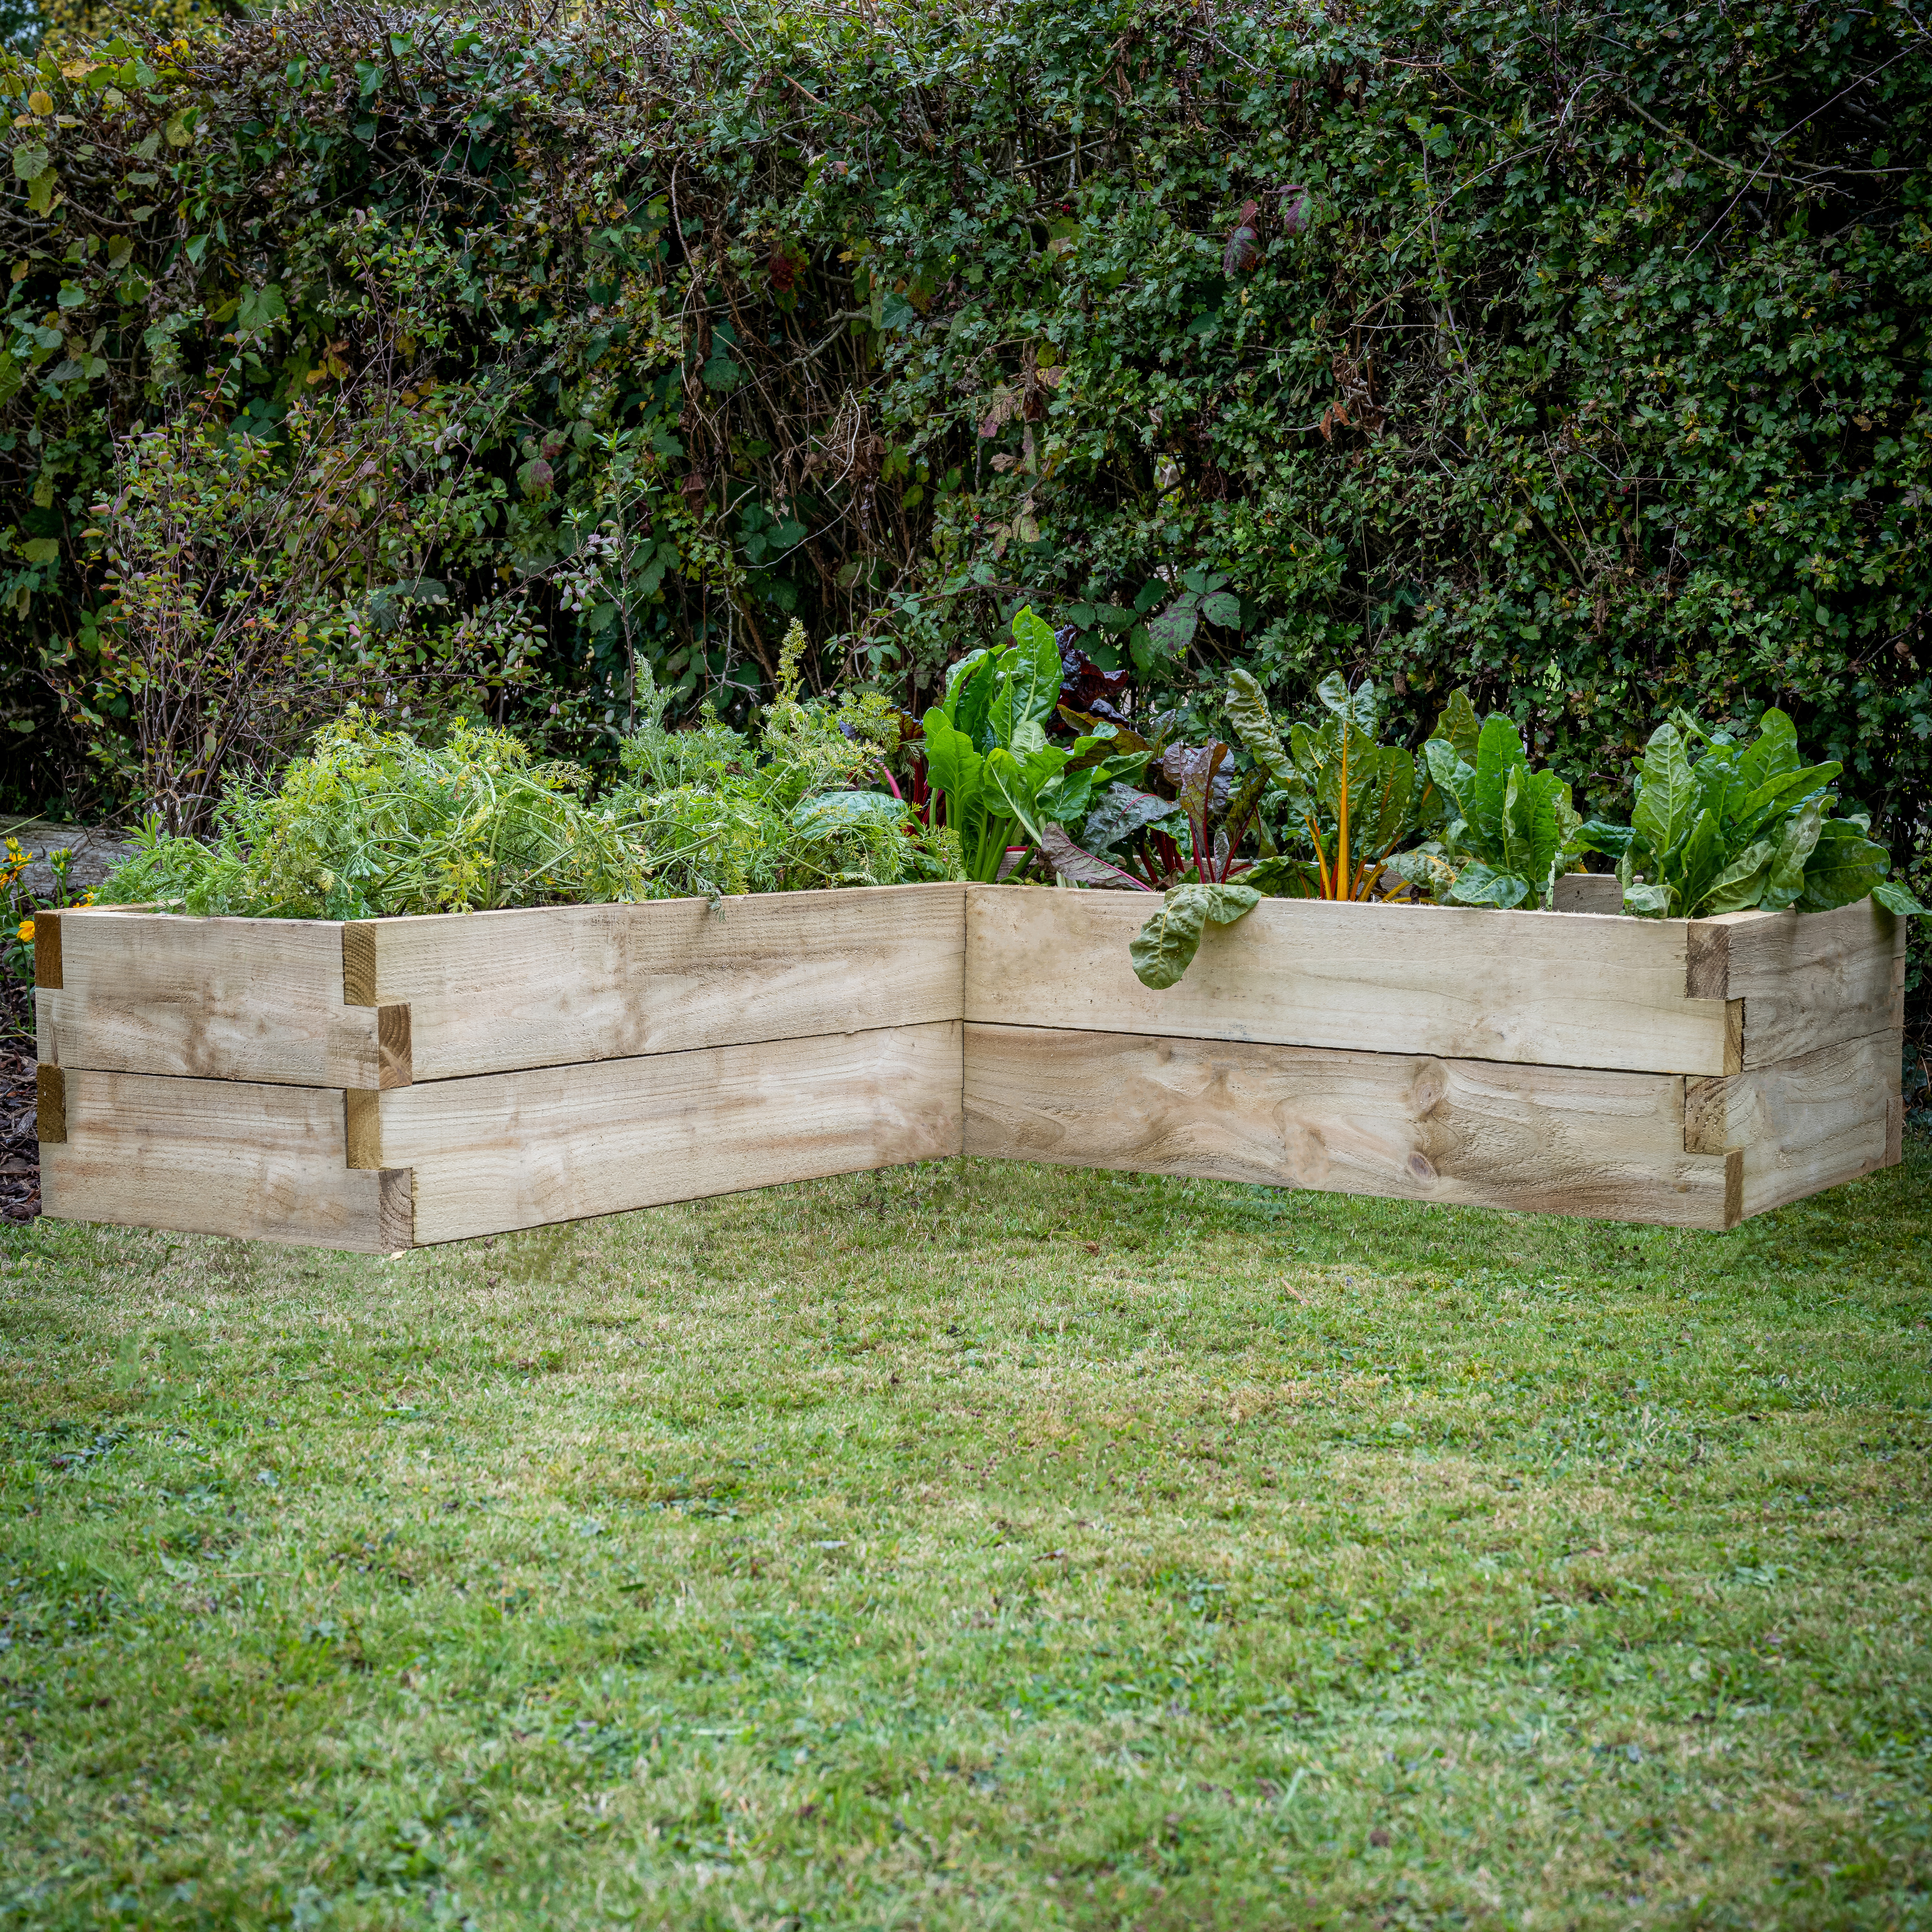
x: 375, y: 1085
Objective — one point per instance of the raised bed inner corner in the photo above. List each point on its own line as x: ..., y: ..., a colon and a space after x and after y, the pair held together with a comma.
x: 375, y: 1085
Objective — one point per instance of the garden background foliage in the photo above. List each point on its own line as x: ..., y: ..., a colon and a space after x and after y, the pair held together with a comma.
x: 1573, y: 354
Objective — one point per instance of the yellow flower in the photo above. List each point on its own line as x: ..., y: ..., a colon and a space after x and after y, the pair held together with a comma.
x: 26, y: 932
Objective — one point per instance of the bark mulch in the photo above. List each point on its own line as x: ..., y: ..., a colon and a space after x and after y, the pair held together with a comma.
x: 19, y: 1148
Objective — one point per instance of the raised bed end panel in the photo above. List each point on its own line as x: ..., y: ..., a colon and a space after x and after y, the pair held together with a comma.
x: 522, y: 1149
x: 493, y: 992
x: 217, y: 1157
x: 212, y: 999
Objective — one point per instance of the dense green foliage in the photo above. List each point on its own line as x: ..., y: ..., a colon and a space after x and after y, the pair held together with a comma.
x: 1577, y: 356
x: 373, y: 824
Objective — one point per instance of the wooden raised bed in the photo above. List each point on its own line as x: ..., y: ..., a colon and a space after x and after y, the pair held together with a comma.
x: 377, y: 1085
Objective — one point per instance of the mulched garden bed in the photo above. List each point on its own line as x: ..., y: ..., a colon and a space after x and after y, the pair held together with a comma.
x: 20, y: 1150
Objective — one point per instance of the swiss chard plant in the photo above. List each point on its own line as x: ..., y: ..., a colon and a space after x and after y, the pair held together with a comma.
x: 1001, y: 784
x: 1352, y: 799
x: 1739, y: 826
x: 1507, y: 831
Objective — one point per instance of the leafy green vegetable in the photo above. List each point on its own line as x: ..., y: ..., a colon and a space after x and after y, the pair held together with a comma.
x: 1509, y: 831
x: 987, y: 754
x: 1739, y: 826
x: 1351, y: 798
x: 1165, y: 947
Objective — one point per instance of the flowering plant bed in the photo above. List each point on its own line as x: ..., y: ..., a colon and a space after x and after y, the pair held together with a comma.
x: 376, y: 1084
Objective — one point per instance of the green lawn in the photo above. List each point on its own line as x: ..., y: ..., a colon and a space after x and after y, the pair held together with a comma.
x: 976, y: 1546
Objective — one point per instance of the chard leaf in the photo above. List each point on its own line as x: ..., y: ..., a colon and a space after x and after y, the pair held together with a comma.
x: 1479, y: 884
x: 1785, y: 883
x: 1036, y: 671
x: 1248, y: 713
x: 1698, y: 863
x: 1006, y: 780
x: 1844, y: 867
x: 1775, y: 751
x: 1599, y: 835
x: 1896, y: 896
x: 1499, y: 753
x: 1453, y: 775
x: 1164, y: 948
x: 1082, y: 867
x: 1194, y: 771
x: 1647, y: 900
x: 1782, y: 792
x: 1458, y: 726
x: 1121, y: 812
x: 1666, y: 792
x: 1741, y: 884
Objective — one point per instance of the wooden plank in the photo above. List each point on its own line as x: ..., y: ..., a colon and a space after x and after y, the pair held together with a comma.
x: 1600, y: 892
x: 1557, y: 989
x: 489, y: 992
x: 1807, y: 980
x: 505, y: 1150
x: 217, y: 1157
x: 223, y: 999
x: 1810, y: 1123
x: 1539, y: 1139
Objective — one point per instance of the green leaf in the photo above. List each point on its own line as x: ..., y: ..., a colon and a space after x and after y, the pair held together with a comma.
x: 1775, y: 750
x: 31, y: 161
x: 1844, y: 867
x: 1666, y: 792
x: 1452, y: 774
x: 41, y: 550
x: 1459, y: 727
x: 1741, y: 884
x: 1036, y: 671
x: 260, y: 310
x: 1007, y: 780
x: 1498, y: 753
x: 1785, y: 881
x: 1697, y: 864
x: 1222, y: 607
x: 1479, y: 884
x: 1164, y: 948
x: 1254, y: 725
x: 1895, y: 895
x: 1648, y: 900
x: 1780, y: 793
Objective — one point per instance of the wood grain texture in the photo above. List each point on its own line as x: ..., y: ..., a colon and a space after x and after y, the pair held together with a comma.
x: 47, y: 964
x: 1807, y: 979
x: 49, y: 1106
x: 362, y: 1126
x: 1541, y: 1139
x: 215, y: 1157
x: 1568, y: 990
x: 490, y: 992
x: 1599, y: 893
x: 1804, y: 1124
x: 222, y: 999
x: 505, y: 1150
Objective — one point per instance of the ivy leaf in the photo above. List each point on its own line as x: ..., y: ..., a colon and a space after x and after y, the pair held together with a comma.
x: 260, y: 310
